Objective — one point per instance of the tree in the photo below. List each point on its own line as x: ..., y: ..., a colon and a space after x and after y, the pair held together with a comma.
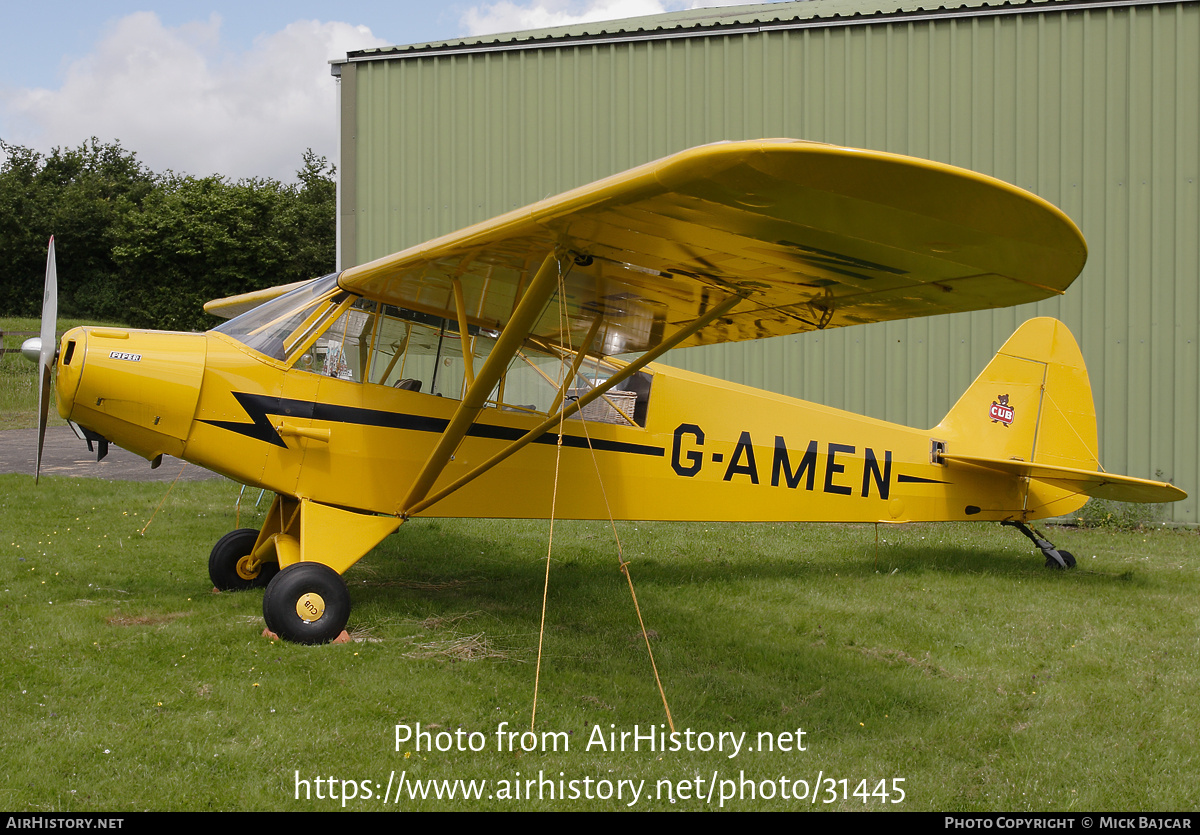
x: 149, y: 249
x: 19, y: 230
x: 311, y: 222
x: 79, y: 195
x: 199, y: 239
x: 194, y: 240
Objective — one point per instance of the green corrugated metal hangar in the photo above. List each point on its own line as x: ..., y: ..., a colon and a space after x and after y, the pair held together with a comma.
x: 1093, y: 105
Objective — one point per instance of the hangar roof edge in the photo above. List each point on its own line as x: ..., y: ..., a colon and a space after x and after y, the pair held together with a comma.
x: 733, y: 20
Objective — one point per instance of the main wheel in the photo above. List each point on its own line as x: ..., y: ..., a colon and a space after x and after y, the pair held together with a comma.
x: 307, y: 603
x: 229, y: 563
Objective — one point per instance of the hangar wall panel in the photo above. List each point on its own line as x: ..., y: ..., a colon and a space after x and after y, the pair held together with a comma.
x: 1096, y: 110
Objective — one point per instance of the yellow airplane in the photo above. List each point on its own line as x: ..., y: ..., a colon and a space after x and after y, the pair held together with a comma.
x: 506, y: 370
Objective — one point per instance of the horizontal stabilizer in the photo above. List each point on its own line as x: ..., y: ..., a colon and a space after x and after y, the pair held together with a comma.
x: 1116, y: 488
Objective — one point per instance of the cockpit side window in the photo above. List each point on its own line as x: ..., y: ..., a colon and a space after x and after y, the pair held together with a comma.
x: 321, y: 329
x: 417, y: 352
x: 338, y: 342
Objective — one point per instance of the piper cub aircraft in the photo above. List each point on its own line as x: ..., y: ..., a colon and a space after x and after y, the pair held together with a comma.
x: 478, y: 373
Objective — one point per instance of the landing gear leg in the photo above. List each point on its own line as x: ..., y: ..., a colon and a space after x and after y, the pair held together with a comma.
x: 1054, y: 557
x: 307, y: 601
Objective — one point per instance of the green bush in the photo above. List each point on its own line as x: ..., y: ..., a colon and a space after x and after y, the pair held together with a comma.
x: 1122, y: 516
x: 149, y: 249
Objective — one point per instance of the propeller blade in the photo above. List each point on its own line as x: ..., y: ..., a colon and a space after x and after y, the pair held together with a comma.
x: 49, y: 349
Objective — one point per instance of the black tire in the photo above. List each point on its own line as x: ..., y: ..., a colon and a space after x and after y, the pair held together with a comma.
x: 223, y: 562
x: 312, y: 588
x: 1067, y: 558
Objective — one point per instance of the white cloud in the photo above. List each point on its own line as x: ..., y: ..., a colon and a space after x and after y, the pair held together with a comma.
x: 181, y: 101
x: 508, y: 16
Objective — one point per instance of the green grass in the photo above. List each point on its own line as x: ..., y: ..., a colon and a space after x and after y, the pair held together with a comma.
x: 946, y: 656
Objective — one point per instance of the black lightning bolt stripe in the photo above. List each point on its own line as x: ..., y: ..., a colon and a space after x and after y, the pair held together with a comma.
x: 912, y: 479
x: 259, y: 406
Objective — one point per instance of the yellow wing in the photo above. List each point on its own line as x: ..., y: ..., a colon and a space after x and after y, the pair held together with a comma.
x: 814, y: 236
x: 231, y: 306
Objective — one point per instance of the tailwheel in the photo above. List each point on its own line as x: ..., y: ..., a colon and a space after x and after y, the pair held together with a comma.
x: 232, y: 566
x: 307, y: 603
x: 1065, y: 560
x: 1054, y: 557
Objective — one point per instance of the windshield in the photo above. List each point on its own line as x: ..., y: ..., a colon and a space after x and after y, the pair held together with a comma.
x: 266, y: 327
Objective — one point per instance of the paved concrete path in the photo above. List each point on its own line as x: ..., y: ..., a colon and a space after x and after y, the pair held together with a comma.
x: 65, y: 454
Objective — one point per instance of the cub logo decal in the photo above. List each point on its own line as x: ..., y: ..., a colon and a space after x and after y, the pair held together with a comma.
x: 1001, y: 412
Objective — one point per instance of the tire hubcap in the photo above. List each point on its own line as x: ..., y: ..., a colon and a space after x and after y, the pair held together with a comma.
x: 310, y: 607
x: 248, y: 567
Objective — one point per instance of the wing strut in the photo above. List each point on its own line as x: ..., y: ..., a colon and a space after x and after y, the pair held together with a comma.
x: 416, y: 505
x: 506, y: 347
x: 464, y: 335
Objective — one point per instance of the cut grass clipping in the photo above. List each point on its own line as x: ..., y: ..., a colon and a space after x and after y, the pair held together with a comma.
x: 944, y: 669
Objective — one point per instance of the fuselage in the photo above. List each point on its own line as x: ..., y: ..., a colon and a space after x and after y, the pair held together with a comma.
x: 708, y: 449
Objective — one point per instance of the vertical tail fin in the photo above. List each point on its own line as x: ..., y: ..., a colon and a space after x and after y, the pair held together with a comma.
x: 1030, y: 415
x: 1033, y: 402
